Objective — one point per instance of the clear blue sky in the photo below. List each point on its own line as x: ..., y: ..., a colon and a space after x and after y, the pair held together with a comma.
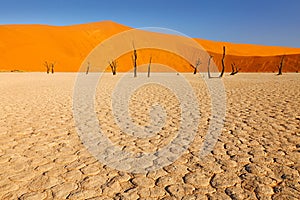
x: 267, y: 22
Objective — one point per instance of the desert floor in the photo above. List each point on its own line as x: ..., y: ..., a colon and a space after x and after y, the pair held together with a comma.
x: 257, y: 156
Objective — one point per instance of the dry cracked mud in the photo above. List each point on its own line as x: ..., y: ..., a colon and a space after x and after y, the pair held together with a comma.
x: 257, y: 155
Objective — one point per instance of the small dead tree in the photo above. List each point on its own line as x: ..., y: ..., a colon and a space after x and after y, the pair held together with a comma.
x: 208, y: 65
x: 113, y: 66
x: 52, y: 67
x: 134, y: 58
x: 88, y: 68
x: 149, y: 66
x: 280, y: 66
x: 223, y: 65
x: 234, y: 69
x: 47, y: 65
x: 198, y: 62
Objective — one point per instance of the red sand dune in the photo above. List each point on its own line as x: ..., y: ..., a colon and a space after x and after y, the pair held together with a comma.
x: 27, y: 47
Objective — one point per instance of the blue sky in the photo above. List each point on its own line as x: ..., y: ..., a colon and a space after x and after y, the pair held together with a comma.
x: 267, y: 22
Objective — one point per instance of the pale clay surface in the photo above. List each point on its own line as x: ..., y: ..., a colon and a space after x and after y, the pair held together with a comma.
x: 257, y: 156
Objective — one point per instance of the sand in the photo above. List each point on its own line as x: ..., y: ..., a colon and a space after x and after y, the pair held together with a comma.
x: 257, y: 156
x: 27, y: 47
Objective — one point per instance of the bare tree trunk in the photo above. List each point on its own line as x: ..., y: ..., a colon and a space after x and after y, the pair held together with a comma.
x: 208, y: 65
x: 280, y: 66
x: 198, y: 62
x: 223, y: 65
x: 88, y: 68
x: 149, y: 67
x: 113, y: 66
x: 234, y: 69
x: 47, y: 67
x: 195, y: 70
x: 134, y: 58
x: 52, y: 68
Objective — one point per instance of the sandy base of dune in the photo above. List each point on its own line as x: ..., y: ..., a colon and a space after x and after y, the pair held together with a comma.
x: 257, y: 156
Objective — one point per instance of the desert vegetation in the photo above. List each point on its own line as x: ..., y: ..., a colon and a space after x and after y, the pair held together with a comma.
x: 149, y: 66
x: 198, y: 62
x: 223, y: 64
x: 280, y: 65
x: 234, y: 69
x: 134, y: 60
x: 88, y: 68
x: 52, y: 67
x: 49, y: 67
x: 113, y: 66
x: 208, y: 66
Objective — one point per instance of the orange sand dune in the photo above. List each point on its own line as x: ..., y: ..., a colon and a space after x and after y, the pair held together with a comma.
x: 27, y: 47
x: 246, y: 49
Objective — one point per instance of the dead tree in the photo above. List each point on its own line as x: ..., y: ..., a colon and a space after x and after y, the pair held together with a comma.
x: 208, y: 65
x: 113, y: 66
x: 280, y: 66
x: 198, y: 62
x: 52, y: 67
x: 223, y: 65
x: 149, y: 67
x: 134, y: 58
x: 88, y: 68
x: 47, y: 67
x: 234, y: 69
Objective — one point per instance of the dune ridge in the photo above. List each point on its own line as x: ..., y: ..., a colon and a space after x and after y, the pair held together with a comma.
x: 27, y: 47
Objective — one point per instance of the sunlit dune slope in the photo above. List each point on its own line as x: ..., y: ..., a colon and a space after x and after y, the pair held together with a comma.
x: 253, y: 58
x: 27, y: 47
x: 246, y: 49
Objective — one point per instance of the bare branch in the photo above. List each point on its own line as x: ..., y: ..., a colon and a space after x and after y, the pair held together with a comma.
x: 52, y: 67
x: 234, y: 69
x: 113, y: 66
x: 223, y: 65
x: 149, y: 66
x: 134, y: 58
x: 88, y: 68
x: 208, y: 65
x: 47, y: 67
x: 280, y: 65
x: 198, y: 62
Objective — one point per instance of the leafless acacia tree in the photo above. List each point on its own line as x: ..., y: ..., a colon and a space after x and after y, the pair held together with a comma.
x: 88, y: 68
x: 198, y: 62
x: 234, y: 69
x: 208, y: 65
x: 113, y: 66
x: 52, y: 67
x: 223, y: 65
x: 47, y: 65
x: 149, y: 66
x: 134, y: 58
x: 280, y: 66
